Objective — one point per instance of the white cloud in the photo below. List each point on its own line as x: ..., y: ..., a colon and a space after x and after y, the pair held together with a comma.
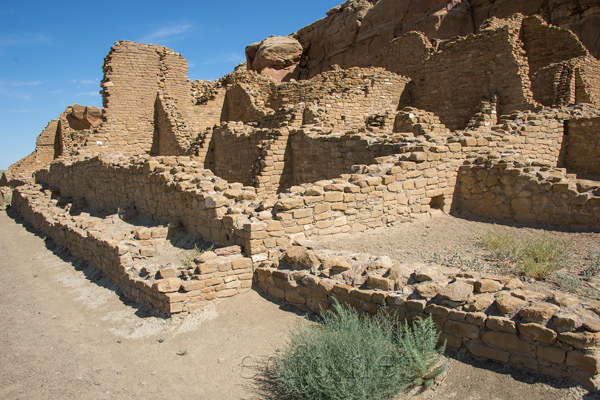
x: 88, y: 94
x: 8, y: 89
x: 24, y: 39
x: 171, y: 32
x: 85, y: 81
x: 229, y: 58
x: 19, y: 83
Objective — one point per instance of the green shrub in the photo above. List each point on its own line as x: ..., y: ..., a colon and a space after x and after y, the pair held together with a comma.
x: 349, y: 356
x: 537, y: 258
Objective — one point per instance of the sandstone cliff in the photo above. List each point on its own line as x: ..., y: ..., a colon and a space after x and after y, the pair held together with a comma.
x: 355, y: 33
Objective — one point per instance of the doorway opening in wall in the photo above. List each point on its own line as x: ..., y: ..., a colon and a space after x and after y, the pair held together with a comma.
x: 437, y: 202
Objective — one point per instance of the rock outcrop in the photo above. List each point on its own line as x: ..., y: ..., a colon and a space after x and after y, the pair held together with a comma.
x: 277, y: 57
x: 356, y: 32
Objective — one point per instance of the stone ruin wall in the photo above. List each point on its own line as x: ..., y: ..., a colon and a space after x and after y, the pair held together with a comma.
x: 148, y: 102
x: 491, y: 317
x: 263, y: 164
x: 61, y: 138
x: 223, y: 275
x: 504, y: 191
x: 583, y: 145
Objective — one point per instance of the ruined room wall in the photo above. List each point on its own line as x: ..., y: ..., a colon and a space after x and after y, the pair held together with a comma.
x: 342, y: 98
x: 583, y: 145
x: 455, y: 79
x: 133, y: 77
x: 546, y: 44
x: 318, y: 157
x: 568, y: 82
x: 113, y: 258
x: 168, y: 188
x: 528, y: 194
x: 237, y: 152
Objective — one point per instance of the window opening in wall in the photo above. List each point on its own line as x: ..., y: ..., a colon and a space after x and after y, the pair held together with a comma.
x: 437, y: 202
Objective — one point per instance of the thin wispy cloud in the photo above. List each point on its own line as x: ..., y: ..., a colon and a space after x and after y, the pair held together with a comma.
x: 167, y: 33
x: 19, y: 83
x: 85, y: 81
x: 24, y: 39
x: 16, y: 90
x: 88, y: 94
x: 229, y: 58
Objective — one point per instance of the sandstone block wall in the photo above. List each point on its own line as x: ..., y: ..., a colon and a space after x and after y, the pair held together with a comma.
x: 508, y: 191
x: 583, y: 145
x: 493, y: 318
x: 340, y: 98
x: 170, y: 293
x: 455, y: 79
x: 169, y: 188
x: 146, y: 94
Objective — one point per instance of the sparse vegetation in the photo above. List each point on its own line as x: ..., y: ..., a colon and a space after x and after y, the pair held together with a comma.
x: 593, y: 268
x: 182, y: 352
x: 349, y: 356
x: 457, y: 261
x: 198, y: 250
x: 536, y: 258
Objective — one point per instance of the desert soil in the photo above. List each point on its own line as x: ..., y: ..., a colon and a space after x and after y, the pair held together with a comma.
x: 458, y: 241
x: 66, y: 333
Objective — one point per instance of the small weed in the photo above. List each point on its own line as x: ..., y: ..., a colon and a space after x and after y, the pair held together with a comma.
x: 197, y: 252
x: 182, y: 352
x: 161, y: 339
x: 457, y: 261
x: 119, y: 340
x: 594, y: 268
x: 537, y: 258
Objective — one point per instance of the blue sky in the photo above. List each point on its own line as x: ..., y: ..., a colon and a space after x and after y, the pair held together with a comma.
x: 51, y: 52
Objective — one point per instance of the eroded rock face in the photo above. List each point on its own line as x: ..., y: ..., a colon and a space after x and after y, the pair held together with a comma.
x: 356, y: 32
x: 276, y: 56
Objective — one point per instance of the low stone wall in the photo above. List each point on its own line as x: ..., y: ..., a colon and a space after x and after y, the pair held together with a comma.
x: 165, y: 291
x: 512, y: 191
x: 583, y: 145
x: 492, y: 317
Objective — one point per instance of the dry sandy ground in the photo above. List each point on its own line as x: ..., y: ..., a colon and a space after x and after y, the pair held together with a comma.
x: 65, y: 334
x: 459, y: 241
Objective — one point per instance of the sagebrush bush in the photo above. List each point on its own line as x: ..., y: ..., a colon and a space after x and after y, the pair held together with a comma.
x: 537, y: 258
x: 349, y: 356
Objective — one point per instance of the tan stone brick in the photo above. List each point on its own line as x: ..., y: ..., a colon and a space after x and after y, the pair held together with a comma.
x: 505, y: 341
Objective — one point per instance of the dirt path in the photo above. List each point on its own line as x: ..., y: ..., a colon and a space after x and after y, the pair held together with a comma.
x: 64, y: 333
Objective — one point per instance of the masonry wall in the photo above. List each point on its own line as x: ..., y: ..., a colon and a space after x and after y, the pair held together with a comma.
x: 169, y: 188
x: 583, y: 145
x: 341, y: 98
x: 134, y: 75
x: 218, y: 277
x: 318, y: 157
x: 237, y: 152
x: 546, y: 44
x: 517, y: 330
x: 454, y: 80
x: 524, y: 193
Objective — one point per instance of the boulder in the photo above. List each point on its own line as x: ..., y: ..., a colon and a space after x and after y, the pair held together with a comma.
x: 276, y: 56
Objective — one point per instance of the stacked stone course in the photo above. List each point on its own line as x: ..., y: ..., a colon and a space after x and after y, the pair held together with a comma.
x: 492, y: 317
